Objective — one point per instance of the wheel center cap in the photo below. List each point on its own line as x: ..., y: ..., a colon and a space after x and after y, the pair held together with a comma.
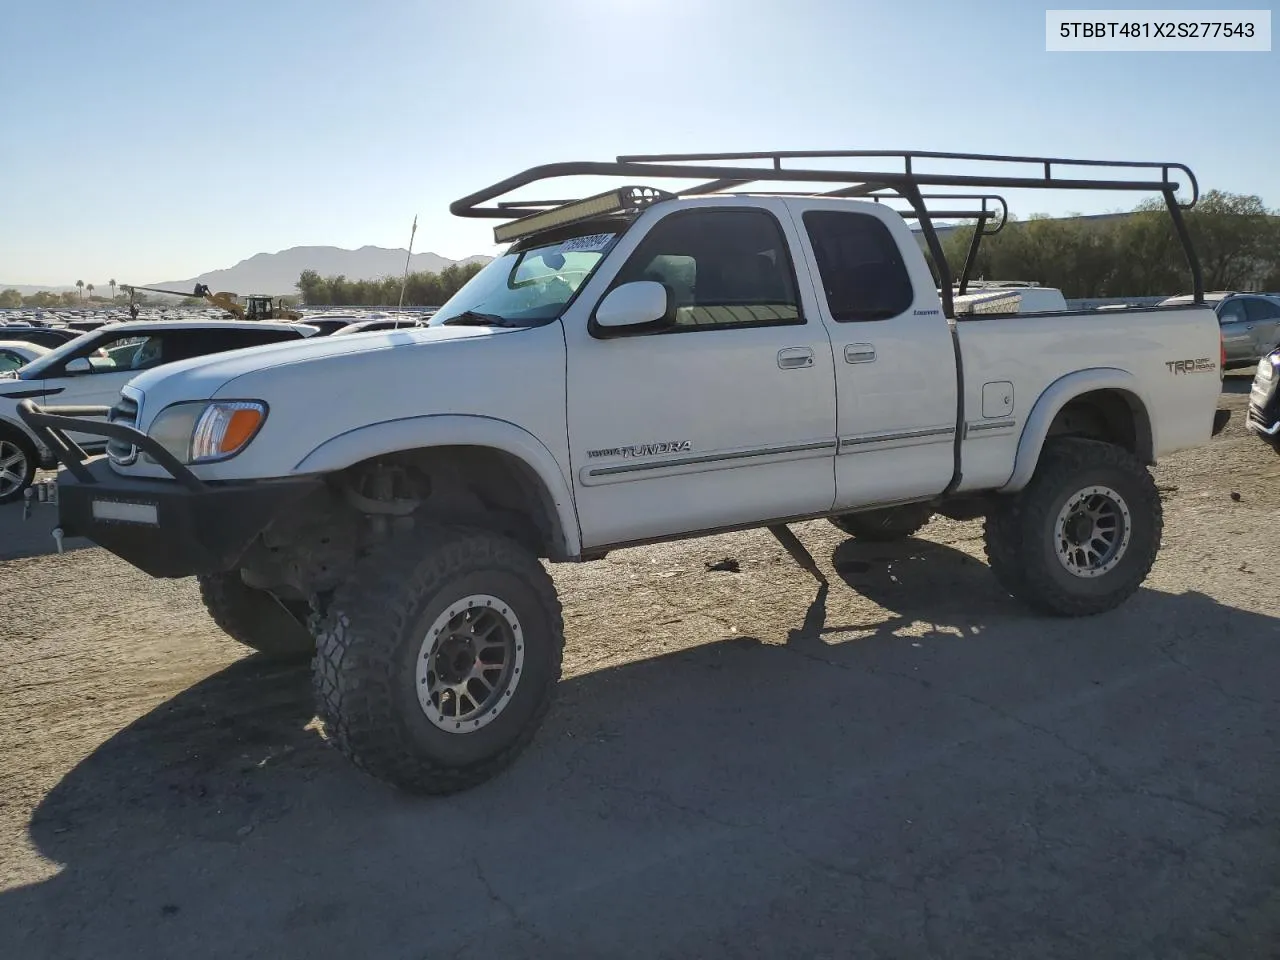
x: 1079, y: 529
x: 455, y: 659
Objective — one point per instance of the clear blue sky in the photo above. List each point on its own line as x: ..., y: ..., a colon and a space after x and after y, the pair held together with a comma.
x: 153, y: 140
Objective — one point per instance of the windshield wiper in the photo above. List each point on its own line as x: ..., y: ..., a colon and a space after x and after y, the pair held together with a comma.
x: 473, y: 318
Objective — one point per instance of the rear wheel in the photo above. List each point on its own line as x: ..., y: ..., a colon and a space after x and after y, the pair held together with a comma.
x: 885, y: 524
x: 1082, y: 536
x: 255, y: 617
x: 437, y: 662
x: 17, y: 465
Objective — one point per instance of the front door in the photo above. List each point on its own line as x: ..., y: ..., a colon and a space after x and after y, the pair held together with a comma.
x: 112, y: 362
x: 726, y: 419
x: 894, y: 360
x: 1263, y: 318
x: 1237, y: 338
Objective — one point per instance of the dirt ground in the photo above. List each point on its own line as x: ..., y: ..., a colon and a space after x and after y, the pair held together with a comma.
x: 739, y: 765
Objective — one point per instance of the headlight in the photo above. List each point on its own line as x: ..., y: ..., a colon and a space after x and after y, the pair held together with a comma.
x: 204, y: 432
x: 1265, y: 370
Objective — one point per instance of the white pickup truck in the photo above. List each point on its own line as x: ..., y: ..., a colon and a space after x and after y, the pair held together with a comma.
x: 639, y: 366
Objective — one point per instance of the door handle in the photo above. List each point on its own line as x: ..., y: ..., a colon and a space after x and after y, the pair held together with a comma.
x: 859, y: 353
x: 792, y: 358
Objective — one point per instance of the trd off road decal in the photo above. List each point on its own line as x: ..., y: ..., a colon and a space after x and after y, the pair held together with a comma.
x: 1200, y: 365
x: 643, y: 449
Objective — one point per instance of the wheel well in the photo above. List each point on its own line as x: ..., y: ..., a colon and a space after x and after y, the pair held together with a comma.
x: 310, y: 548
x: 1113, y: 416
x: 465, y: 484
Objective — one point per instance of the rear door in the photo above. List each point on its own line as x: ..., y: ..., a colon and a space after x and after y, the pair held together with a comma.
x: 896, y: 391
x: 1237, y: 338
x: 1263, y: 316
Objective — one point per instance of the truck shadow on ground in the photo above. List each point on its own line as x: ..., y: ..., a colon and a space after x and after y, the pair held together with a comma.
x: 944, y: 592
x: 905, y: 792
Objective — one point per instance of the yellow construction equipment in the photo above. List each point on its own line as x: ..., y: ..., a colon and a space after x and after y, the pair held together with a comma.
x: 255, y: 307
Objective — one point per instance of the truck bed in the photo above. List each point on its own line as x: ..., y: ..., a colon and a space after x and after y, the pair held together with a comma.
x: 1166, y: 359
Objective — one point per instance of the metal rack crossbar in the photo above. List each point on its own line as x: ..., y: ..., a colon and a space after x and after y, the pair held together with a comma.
x: 725, y: 174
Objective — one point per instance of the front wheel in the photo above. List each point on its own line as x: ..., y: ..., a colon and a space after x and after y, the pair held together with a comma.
x: 437, y: 661
x: 17, y: 466
x: 1082, y: 536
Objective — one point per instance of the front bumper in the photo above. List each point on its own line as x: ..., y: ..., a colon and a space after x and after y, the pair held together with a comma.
x: 166, y: 528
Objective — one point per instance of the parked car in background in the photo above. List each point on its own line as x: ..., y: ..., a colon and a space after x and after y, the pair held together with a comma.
x: 90, y: 371
x: 14, y: 355
x: 1250, y: 324
x: 1264, y: 400
x: 370, y: 326
x: 51, y: 337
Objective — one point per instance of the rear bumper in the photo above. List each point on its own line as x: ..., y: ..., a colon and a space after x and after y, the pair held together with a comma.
x: 166, y: 528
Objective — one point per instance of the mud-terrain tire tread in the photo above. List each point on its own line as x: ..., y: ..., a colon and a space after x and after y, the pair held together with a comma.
x: 1013, y: 533
x: 885, y: 525
x: 353, y: 678
x: 254, y: 618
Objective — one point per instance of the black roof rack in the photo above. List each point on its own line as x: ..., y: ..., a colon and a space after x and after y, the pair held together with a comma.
x: 730, y: 173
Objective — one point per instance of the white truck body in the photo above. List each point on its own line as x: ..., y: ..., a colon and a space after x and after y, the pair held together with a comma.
x: 639, y: 366
x: 872, y: 421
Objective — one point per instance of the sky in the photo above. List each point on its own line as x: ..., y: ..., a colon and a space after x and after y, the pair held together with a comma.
x: 154, y: 140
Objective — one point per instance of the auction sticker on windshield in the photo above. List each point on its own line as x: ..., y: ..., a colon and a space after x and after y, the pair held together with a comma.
x: 597, y: 241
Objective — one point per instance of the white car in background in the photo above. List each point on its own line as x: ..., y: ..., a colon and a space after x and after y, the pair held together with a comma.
x: 16, y: 354
x: 90, y: 370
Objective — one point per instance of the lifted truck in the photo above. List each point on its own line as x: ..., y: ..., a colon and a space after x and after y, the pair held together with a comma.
x: 641, y: 365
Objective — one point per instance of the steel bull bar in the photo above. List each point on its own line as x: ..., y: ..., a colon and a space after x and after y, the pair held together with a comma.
x: 177, y: 527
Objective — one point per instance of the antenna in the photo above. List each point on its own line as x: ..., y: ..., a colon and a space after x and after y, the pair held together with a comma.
x: 405, y: 281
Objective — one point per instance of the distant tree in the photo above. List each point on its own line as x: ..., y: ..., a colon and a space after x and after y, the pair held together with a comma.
x: 112, y: 284
x: 80, y: 286
x: 1236, y: 238
x: 421, y: 289
x: 89, y: 287
x: 10, y: 299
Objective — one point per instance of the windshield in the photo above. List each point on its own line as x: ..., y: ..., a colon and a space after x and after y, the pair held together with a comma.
x: 530, y: 286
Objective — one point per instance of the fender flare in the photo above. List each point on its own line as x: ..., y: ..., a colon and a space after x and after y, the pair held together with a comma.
x: 1056, y: 396
x: 441, y: 430
x: 19, y: 427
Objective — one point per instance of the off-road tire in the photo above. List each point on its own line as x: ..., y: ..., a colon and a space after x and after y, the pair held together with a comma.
x: 886, y: 524
x: 1020, y: 538
x: 371, y: 638
x: 10, y: 437
x: 254, y: 618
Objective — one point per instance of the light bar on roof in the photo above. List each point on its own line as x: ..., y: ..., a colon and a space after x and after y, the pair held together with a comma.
x: 615, y: 201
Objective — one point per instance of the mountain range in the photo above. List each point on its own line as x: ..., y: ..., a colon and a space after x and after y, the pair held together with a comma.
x: 277, y: 273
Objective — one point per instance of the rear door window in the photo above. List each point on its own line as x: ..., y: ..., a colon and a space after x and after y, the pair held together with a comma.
x: 864, y: 276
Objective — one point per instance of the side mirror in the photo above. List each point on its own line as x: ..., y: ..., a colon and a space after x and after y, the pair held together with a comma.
x: 640, y: 306
x: 78, y: 365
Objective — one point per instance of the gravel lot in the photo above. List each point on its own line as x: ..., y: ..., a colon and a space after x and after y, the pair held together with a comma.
x: 907, y: 765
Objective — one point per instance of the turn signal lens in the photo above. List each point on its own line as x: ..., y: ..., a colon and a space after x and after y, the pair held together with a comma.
x: 225, y: 428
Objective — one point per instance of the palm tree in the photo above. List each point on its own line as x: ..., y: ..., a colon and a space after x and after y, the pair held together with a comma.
x: 80, y: 284
x: 112, y: 284
x: 90, y: 289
